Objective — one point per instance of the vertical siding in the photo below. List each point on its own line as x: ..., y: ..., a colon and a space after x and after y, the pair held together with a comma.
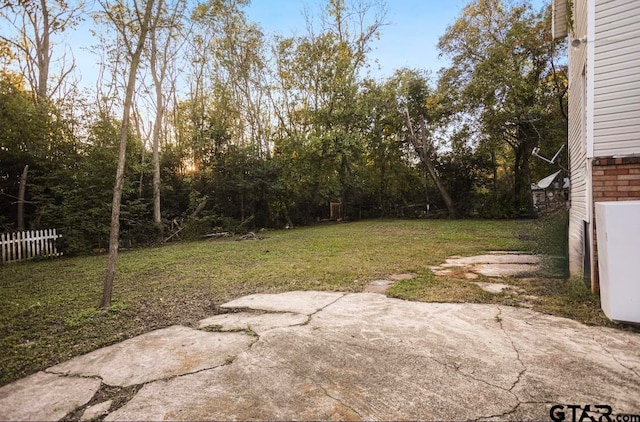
x: 577, y: 141
x: 617, y: 78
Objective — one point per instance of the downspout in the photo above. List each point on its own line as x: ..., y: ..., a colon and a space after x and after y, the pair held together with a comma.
x: 591, y: 76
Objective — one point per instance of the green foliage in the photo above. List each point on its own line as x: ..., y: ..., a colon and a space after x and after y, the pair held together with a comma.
x: 77, y: 200
x: 23, y: 126
x: 69, y: 183
x: 268, y: 141
x: 551, y: 234
x: 509, y: 85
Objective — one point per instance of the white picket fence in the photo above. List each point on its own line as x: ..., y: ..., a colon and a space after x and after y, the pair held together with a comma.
x: 18, y: 246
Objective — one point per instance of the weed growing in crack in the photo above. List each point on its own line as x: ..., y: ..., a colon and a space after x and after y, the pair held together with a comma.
x: 119, y: 396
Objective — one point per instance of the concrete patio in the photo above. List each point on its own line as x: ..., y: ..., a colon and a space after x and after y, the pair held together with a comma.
x: 337, y: 356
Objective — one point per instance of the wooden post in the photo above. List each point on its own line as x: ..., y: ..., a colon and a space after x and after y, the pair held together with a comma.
x: 336, y: 211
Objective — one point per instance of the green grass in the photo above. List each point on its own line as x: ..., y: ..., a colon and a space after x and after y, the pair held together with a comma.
x: 49, y: 312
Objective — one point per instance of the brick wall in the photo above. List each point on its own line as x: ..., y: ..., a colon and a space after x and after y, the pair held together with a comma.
x: 614, y: 179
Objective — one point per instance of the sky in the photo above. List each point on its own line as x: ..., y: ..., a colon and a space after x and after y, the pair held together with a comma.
x: 408, y: 40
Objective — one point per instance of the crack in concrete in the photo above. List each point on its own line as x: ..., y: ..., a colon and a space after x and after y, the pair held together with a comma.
x: 452, y: 366
x: 515, y: 349
x: 230, y: 360
x: 471, y: 376
x: 70, y: 375
x: 311, y: 315
x: 324, y: 390
x: 261, y: 311
x: 329, y: 304
x: 511, y: 411
x: 500, y: 415
x: 455, y: 368
x: 137, y: 387
x: 118, y: 395
x: 615, y: 358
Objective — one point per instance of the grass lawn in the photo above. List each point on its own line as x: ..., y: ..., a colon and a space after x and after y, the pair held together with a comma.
x: 49, y: 313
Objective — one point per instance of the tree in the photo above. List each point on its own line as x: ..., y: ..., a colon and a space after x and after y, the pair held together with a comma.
x: 21, y: 129
x: 389, y: 173
x: 501, y: 55
x: 421, y: 144
x: 133, y: 25
x: 32, y: 27
x: 422, y: 117
x: 224, y: 64
x: 36, y: 135
x: 163, y: 52
x: 27, y: 38
x: 316, y: 103
x: 240, y: 65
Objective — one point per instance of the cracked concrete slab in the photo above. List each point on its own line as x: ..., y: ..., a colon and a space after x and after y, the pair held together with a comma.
x: 155, y: 355
x: 306, y: 303
x: 569, y: 364
x: 370, y: 357
x: 45, y: 397
x: 366, y: 356
x: 258, y: 323
x: 285, y: 378
x: 492, y: 264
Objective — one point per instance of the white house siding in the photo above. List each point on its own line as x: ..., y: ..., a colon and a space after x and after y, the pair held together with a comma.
x: 617, y: 78
x: 578, y: 165
x: 560, y: 22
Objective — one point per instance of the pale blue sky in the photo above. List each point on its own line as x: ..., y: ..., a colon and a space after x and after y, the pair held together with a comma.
x: 409, y: 39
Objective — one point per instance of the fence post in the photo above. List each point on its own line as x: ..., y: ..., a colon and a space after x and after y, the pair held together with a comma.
x: 3, y: 237
x: 22, y: 236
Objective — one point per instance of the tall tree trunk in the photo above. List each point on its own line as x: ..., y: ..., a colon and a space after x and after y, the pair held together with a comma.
x: 122, y: 154
x: 43, y: 53
x: 422, y: 147
x: 522, y: 181
x: 345, y: 184
x: 143, y: 150
x: 157, y: 215
x: 494, y: 169
x: 382, y: 190
x: 158, y: 77
x: 157, y: 126
x: 21, y: 193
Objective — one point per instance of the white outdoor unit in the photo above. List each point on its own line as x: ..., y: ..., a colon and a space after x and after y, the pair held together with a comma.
x: 618, y: 231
